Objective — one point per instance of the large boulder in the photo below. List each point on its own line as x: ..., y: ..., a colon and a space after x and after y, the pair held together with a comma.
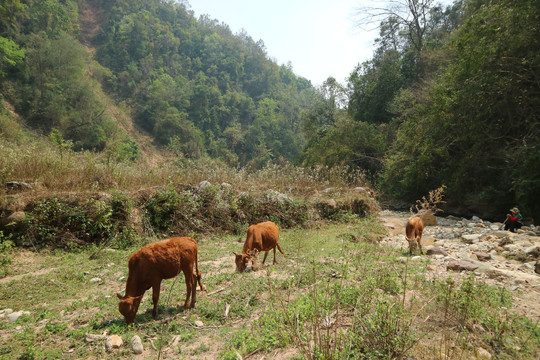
x: 13, y: 222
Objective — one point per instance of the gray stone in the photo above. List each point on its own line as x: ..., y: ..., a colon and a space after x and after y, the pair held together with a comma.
x: 482, y: 256
x: 533, y: 251
x: 204, y: 184
x: 460, y: 265
x: 496, y: 274
x: 136, y: 345
x: 18, y: 185
x: 225, y: 186
x: 436, y: 251
x: 14, y: 316
x: 472, y: 238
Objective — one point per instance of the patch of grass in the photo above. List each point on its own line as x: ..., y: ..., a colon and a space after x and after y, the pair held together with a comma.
x: 331, y: 295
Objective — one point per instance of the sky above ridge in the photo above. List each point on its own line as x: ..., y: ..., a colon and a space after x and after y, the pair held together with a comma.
x: 318, y: 37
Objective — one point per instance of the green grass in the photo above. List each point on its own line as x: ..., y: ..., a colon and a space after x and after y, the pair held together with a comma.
x: 331, y: 296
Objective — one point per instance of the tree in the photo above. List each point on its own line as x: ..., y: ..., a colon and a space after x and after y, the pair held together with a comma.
x: 409, y: 16
x: 476, y: 128
x: 10, y: 13
x: 10, y: 55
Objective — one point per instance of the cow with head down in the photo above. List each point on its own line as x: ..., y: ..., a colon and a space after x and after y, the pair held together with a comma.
x: 260, y: 237
x: 149, y: 265
x: 413, y: 233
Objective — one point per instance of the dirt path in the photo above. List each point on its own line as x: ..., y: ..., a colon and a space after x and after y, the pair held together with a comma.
x: 501, y: 269
x: 40, y: 272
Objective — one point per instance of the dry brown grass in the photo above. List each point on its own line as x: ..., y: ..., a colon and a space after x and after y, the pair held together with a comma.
x: 48, y: 167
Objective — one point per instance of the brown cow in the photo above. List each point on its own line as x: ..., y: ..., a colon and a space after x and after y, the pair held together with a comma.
x: 413, y: 233
x: 151, y: 264
x: 260, y: 237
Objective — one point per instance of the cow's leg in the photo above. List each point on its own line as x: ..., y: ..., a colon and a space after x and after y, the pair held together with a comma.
x: 193, y: 291
x: 419, y: 240
x: 188, y: 275
x: 275, y: 262
x: 155, y: 297
x: 265, y: 255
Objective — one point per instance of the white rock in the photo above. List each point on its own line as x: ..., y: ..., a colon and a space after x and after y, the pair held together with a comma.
x: 96, y: 279
x: 136, y: 345
x: 12, y: 317
x: 204, y: 184
x: 472, y: 237
x: 482, y: 354
x: 198, y: 323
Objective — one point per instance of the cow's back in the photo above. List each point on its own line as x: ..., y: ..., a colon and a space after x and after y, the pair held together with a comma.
x: 414, y: 227
x: 263, y: 236
x: 162, y: 258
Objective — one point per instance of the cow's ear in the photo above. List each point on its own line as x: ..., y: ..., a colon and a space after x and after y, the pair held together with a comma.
x: 137, y: 299
x: 235, y: 253
x: 120, y: 296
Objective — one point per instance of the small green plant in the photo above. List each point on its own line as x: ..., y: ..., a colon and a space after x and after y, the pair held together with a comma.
x: 6, y: 246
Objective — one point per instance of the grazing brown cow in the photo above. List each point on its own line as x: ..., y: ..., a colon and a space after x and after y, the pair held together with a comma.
x: 260, y: 237
x: 151, y: 264
x: 413, y: 233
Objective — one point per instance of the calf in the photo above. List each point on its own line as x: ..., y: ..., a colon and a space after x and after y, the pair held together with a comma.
x: 413, y: 233
x: 260, y: 237
x: 151, y: 264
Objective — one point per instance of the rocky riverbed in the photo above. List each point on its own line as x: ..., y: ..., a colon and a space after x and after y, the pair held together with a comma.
x: 458, y: 246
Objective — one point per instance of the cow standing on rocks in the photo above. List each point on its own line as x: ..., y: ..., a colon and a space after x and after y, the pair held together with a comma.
x: 151, y: 264
x: 260, y: 237
x: 413, y: 233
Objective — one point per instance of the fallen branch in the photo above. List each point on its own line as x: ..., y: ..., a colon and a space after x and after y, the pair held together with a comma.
x: 227, y: 308
x: 252, y: 353
x: 215, y: 292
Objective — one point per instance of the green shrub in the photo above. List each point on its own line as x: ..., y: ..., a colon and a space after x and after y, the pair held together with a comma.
x: 6, y: 245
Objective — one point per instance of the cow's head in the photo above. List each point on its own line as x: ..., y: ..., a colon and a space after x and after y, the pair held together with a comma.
x: 412, y: 243
x: 241, y: 261
x: 128, y: 306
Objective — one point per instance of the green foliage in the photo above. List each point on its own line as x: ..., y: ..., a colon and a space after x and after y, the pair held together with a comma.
x: 192, y: 84
x: 61, y: 222
x: 475, y: 128
x: 10, y: 55
x: 187, y: 208
x: 6, y: 245
x: 471, y: 301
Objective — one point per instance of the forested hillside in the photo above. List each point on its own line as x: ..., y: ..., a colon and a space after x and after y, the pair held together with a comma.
x: 192, y: 84
x: 450, y: 97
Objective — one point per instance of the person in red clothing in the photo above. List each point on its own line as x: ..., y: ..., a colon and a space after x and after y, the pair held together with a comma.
x: 514, y: 220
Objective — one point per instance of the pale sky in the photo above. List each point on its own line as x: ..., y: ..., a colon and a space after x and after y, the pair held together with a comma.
x: 318, y: 37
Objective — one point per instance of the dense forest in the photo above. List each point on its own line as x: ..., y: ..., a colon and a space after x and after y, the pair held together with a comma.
x: 450, y: 97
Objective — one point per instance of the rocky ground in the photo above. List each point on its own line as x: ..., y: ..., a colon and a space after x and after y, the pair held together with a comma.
x: 457, y: 246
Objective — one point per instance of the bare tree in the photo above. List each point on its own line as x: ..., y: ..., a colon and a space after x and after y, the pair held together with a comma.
x: 412, y: 17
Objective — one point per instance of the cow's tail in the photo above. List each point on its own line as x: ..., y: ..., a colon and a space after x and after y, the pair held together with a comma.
x: 198, y: 274
x: 279, y: 248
